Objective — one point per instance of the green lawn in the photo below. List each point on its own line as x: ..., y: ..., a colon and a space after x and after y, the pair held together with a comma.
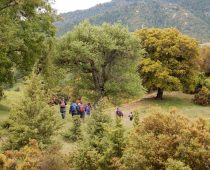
x: 4, y: 110
x: 183, y: 104
x: 12, y: 97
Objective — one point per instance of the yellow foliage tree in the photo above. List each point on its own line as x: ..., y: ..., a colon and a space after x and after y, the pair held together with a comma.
x: 170, y: 61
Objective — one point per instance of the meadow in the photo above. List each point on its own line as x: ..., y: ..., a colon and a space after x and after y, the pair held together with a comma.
x: 179, y: 101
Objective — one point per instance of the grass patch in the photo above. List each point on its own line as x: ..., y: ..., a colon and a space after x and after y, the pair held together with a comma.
x: 4, y: 111
x: 12, y: 97
x: 182, y: 102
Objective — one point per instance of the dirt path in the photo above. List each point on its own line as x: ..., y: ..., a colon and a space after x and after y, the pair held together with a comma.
x: 131, y: 107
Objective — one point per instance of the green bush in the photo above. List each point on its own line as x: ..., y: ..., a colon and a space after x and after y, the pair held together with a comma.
x: 176, y: 165
x: 32, y: 118
x: 202, y: 97
x: 207, y: 83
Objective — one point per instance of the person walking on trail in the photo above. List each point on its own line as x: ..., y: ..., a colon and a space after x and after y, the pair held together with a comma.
x: 78, y: 108
x: 63, y: 108
x: 119, y: 113
x: 88, y: 109
x: 73, y: 109
x: 81, y: 110
x: 130, y: 116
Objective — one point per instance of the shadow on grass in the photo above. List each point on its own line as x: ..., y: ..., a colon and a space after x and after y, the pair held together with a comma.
x: 4, y: 110
x: 183, y: 103
x: 170, y: 101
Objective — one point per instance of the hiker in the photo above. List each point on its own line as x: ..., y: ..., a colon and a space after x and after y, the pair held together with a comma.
x: 130, y: 116
x: 63, y: 108
x: 119, y: 113
x: 88, y: 109
x: 73, y: 109
x: 78, y: 108
x: 81, y: 110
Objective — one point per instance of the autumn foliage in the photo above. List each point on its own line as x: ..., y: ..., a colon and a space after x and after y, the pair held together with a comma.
x: 164, y: 138
x: 170, y: 61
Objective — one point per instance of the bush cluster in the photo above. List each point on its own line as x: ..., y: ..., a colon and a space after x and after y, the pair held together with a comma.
x: 167, y: 140
x: 202, y: 97
x: 31, y: 157
x: 160, y: 141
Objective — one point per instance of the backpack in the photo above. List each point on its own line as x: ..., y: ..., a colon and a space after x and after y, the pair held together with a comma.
x: 119, y: 113
x: 87, y: 108
x: 73, y: 107
x: 81, y: 108
x: 63, y: 104
x: 78, y: 108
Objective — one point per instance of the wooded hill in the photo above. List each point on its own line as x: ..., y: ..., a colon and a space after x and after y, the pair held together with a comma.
x: 192, y: 17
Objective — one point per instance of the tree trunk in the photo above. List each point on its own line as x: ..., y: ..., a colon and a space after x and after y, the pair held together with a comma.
x: 97, y: 100
x: 159, y: 94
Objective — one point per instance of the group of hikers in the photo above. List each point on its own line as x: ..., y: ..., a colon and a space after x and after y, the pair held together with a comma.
x: 75, y: 109
x: 119, y: 113
x: 78, y: 108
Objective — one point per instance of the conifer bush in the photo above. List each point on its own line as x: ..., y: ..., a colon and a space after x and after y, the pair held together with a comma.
x: 32, y: 118
x: 103, y: 144
x: 94, y: 151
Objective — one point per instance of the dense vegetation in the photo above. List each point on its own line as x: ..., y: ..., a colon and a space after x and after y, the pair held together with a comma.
x: 32, y: 118
x: 160, y: 141
x: 170, y: 62
x: 203, y: 96
x: 107, y: 65
x: 25, y: 29
x: 191, y: 17
x: 101, y: 57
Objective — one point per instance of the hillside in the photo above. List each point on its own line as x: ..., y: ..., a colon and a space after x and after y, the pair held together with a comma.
x: 192, y: 17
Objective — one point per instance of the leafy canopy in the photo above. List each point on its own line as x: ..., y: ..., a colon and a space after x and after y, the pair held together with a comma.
x: 24, y: 27
x: 170, y: 59
x: 102, y: 59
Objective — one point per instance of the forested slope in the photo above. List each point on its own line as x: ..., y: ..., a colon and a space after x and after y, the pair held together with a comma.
x: 192, y: 17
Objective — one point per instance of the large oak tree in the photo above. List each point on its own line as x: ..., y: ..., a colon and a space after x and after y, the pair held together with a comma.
x: 170, y: 60
x: 25, y: 25
x: 103, y: 60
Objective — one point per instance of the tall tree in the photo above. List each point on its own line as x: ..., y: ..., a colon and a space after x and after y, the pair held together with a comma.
x: 170, y: 60
x: 24, y: 27
x: 103, y: 60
